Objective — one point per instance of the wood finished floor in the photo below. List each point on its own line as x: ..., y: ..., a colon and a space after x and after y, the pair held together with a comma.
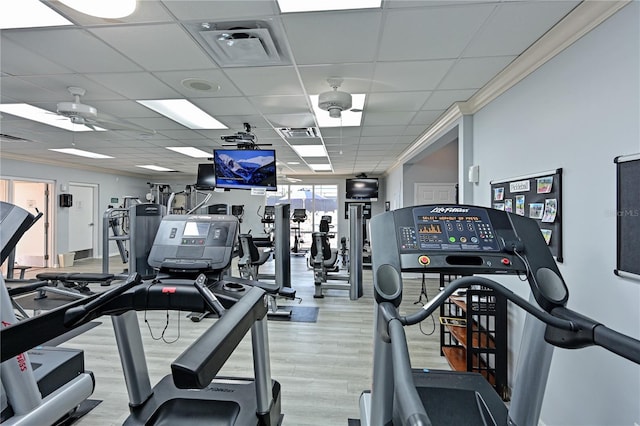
x: 322, y: 367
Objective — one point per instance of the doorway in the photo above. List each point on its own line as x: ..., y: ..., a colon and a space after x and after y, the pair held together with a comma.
x: 35, y: 246
x: 434, y: 193
x: 83, y: 232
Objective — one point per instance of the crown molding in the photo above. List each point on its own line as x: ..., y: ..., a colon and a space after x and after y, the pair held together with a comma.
x: 582, y: 19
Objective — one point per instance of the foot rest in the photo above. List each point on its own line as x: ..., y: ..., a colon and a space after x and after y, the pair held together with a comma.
x: 287, y: 292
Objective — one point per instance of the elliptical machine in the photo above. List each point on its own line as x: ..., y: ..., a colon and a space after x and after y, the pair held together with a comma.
x: 299, y: 216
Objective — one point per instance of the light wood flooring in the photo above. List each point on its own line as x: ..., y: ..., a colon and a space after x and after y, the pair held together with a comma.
x: 322, y: 367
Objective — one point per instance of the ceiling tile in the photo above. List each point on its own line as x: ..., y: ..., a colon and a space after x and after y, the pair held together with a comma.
x: 387, y: 118
x: 426, y: 118
x: 409, y: 76
x: 146, y: 11
x: 430, y: 33
x: 443, y: 99
x: 473, y: 73
x: 515, y: 26
x: 356, y: 77
x: 291, y: 120
x: 138, y: 85
x: 281, y: 104
x: 17, y: 60
x: 140, y: 43
x: 255, y: 81
x: 220, y: 10
x: 396, y: 101
x: 214, y: 76
x: 226, y: 106
x: 348, y: 34
x: 82, y: 51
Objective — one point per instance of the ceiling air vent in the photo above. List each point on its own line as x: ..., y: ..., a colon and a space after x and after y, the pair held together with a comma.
x: 10, y: 138
x: 242, y: 43
x: 298, y: 132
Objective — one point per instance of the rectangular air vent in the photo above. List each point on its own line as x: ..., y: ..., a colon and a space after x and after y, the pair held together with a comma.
x: 242, y: 43
x: 10, y: 138
x: 298, y: 132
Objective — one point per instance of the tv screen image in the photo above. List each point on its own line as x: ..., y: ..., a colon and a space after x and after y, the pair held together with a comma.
x: 245, y: 168
x: 362, y: 189
x: 206, y: 178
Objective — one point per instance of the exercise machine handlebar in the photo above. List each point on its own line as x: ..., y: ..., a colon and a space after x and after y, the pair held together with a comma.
x: 200, y: 362
x: 81, y: 314
x: 465, y: 282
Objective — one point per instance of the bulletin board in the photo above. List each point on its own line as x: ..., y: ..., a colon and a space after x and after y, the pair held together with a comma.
x: 628, y: 216
x: 537, y: 196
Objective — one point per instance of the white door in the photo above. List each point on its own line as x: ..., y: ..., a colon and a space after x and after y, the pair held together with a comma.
x: 81, y: 219
x: 434, y: 193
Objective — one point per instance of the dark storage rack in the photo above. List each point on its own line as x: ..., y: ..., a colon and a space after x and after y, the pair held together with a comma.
x: 473, y: 334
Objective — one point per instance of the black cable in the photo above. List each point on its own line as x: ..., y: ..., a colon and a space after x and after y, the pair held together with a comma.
x: 166, y: 325
x: 423, y: 291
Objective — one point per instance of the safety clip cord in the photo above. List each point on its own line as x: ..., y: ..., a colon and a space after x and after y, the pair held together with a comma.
x: 166, y: 325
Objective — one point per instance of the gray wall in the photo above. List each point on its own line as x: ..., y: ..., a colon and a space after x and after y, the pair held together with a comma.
x: 578, y: 112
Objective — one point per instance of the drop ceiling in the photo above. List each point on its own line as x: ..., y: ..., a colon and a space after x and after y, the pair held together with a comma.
x: 412, y: 60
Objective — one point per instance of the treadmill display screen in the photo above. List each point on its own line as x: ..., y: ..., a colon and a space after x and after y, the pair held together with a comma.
x: 449, y: 228
x: 196, y: 229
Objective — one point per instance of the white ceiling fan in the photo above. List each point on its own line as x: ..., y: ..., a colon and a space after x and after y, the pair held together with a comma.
x: 335, y: 101
x: 83, y: 114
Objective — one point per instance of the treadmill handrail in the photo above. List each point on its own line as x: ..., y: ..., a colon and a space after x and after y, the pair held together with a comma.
x: 409, y: 404
x: 196, y: 367
x: 465, y: 282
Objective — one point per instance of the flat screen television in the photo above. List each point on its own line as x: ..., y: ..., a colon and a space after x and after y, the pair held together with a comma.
x: 245, y: 168
x: 206, y: 179
x: 362, y: 189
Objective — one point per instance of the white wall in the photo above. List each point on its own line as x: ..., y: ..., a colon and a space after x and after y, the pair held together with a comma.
x: 109, y: 185
x: 440, y: 166
x: 578, y: 112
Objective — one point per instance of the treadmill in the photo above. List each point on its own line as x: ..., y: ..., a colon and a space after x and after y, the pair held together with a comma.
x: 467, y: 240
x: 43, y: 385
x: 185, y: 246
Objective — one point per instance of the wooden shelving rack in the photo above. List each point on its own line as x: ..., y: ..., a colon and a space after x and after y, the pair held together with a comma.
x: 473, y: 335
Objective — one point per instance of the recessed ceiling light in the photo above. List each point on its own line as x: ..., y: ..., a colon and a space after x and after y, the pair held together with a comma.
x: 347, y: 118
x: 156, y: 168
x: 190, y: 151
x: 293, y: 163
x: 80, y: 153
x: 287, y: 6
x: 111, y: 9
x: 310, y: 150
x: 184, y: 112
x: 320, y: 167
x: 45, y: 117
x: 28, y: 14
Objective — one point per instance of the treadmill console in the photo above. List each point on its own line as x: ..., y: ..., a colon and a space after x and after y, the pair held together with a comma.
x: 456, y: 239
x: 194, y: 242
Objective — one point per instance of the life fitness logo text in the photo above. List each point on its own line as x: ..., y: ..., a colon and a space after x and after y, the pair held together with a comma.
x: 449, y: 210
x: 22, y: 360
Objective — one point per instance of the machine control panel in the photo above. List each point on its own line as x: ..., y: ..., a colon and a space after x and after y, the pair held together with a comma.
x: 449, y: 238
x: 449, y: 228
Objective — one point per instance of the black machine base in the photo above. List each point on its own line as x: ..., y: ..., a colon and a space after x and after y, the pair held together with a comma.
x: 449, y: 395
x: 226, y: 401
x: 53, y: 367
